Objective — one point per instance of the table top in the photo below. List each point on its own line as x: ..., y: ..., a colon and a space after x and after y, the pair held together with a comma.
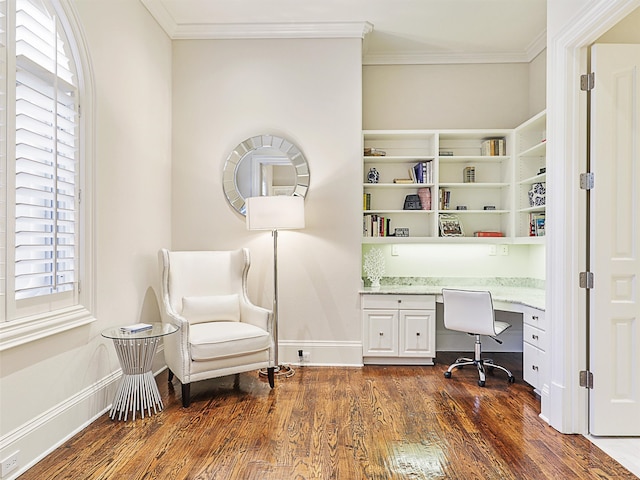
x: 532, y: 297
x: 157, y: 330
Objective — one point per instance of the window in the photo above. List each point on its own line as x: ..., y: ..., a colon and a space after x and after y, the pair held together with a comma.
x: 44, y: 173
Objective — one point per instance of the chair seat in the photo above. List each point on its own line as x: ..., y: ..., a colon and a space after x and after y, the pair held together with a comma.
x: 214, y: 340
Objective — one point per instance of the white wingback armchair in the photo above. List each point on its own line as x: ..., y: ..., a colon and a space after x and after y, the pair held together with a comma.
x: 221, y: 331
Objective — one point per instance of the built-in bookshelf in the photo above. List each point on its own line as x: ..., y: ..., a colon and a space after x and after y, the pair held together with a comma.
x: 481, y: 178
x: 530, y: 179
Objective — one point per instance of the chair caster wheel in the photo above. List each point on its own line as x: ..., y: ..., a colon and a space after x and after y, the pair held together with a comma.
x: 512, y: 379
x: 481, y: 383
x: 447, y: 374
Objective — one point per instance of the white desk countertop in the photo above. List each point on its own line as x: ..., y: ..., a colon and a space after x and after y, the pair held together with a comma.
x: 505, y: 298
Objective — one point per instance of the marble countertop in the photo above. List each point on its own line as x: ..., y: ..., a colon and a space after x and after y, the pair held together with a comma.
x: 524, y: 295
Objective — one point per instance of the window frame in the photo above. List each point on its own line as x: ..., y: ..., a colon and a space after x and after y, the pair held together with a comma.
x: 17, y: 328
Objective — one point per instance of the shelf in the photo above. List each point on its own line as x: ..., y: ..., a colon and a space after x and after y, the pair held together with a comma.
x: 541, y: 177
x: 472, y: 158
x: 397, y: 185
x: 410, y: 212
x: 448, y: 240
x: 466, y: 212
x: 474, y: 185
x: 536, y: 209
x: 397, y: 158
x: 538, y: 150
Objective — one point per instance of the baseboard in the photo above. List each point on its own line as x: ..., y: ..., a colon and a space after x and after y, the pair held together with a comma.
x: 41, y: 435
x: 322, y: 353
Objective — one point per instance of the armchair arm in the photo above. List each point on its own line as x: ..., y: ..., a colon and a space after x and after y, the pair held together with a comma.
x: 255, y: 315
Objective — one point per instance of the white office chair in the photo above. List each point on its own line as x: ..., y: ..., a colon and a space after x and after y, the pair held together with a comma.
x: 472, y: 312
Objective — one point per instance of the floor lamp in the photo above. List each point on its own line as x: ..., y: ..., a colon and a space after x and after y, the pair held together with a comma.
x: 275, y: 213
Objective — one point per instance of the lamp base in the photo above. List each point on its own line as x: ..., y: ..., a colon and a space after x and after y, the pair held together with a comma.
x: 285, y: 371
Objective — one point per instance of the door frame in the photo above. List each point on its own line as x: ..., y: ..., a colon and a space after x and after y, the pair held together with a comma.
x: 565, y: 405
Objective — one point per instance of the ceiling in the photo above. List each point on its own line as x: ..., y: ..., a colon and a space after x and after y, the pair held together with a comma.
x: 394, y: 31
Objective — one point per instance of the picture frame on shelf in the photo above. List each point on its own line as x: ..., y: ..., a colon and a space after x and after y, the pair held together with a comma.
x: 450, y: 226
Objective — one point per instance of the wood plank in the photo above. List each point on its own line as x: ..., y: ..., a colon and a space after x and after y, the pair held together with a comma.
x: 376, y: 422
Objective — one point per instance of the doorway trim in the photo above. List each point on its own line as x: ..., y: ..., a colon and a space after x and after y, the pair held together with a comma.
x: 567, y: 408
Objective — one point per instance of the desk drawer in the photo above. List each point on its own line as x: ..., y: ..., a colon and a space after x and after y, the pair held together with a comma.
x: 533, y: 368
x: 535, y: 336
x: 534, y: 317
x: 397, y: 302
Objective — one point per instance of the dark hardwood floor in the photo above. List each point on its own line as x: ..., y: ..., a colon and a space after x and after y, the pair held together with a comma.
x: 376, y: 422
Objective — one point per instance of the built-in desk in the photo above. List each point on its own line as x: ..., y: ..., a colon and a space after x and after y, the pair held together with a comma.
x: 399, y: 324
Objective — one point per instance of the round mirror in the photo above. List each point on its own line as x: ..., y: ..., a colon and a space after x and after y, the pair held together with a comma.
x: 264, y: 165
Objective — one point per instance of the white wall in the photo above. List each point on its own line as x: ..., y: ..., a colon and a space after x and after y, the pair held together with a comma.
x: 308, y: 91
x: 538, y: 84
x: 445, y: 96
x: 459, y: 261
x: 54, y: 386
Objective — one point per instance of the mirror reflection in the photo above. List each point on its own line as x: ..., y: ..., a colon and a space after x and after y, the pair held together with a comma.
x: 264, y: 165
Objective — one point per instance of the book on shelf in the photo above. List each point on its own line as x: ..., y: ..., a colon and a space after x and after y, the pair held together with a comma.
x: 444, y: 199
x: 136, y: 327
x: 493, y: 147
x: 422, y: 172
x: 375, y: 225
x: 403, y: 180
x: 488, y: 234
x: 536, y: 224
x: 366, y: 201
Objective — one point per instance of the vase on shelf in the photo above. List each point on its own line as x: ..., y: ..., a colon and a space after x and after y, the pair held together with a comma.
x: 425, y: 197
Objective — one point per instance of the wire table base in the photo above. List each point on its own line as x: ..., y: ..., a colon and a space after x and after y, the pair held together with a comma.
x: 137, y: 391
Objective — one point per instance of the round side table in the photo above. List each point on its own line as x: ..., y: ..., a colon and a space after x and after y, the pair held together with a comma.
x: 137, y: 390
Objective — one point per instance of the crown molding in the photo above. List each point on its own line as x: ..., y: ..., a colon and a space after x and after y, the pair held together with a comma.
x: 537, y: 46
x: 444, y: 58
x: 240, y: 31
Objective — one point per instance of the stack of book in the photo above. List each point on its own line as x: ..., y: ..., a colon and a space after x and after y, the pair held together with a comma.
x: 135, y: 328
x: 375, y: 225
x: 493, y: 147
x: 444, y: 199
x: 536, y: 224
x: 366, y: 201
x: 488, y: 234
x: 422, y: 172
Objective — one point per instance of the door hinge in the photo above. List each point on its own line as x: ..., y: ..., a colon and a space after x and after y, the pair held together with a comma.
x: 586, y: 379
x: 587, y: 181
x: 587, y: 81
x: 586, y: 279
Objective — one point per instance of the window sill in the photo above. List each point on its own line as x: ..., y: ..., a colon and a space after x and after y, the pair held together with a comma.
x: 25, y: 330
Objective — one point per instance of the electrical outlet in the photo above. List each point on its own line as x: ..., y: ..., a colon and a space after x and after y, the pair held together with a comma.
x: 493, y: 250
x: 10, y: 463
x: 394, y: 250
x: 503, y: 249
x: 306, y: 356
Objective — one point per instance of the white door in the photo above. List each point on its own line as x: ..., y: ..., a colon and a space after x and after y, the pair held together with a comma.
x: 614, y: 401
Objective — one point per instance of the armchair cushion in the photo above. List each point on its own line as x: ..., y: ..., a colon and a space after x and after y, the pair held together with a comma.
x: 211, y: 308
x: 225, y: 339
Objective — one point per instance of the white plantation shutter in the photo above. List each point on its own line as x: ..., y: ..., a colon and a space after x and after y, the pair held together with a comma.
x: 46, y: 153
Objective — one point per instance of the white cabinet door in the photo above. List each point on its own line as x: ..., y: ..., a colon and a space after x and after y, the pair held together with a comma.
x: 417, y: 333
x: 615, y: 237
x: 381, y: 333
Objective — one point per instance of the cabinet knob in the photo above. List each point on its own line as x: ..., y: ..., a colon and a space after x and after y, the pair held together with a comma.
x: 417, y: 334
x: 534, y: 317
x: 399, y: 301
x: 534, y: 367
x: 381, y: 334
x: 535, y: 337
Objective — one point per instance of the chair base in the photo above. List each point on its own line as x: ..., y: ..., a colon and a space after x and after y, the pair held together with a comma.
x: 480, y: 364
x: 186, y: 387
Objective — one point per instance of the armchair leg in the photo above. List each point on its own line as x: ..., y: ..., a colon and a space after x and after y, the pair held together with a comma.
x: 170, y: 377
x: 186, y: 394
x: 271, y: 375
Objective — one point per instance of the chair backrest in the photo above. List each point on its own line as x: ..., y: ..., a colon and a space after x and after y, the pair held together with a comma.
x: 204, y: 273
x: 469, y: 311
